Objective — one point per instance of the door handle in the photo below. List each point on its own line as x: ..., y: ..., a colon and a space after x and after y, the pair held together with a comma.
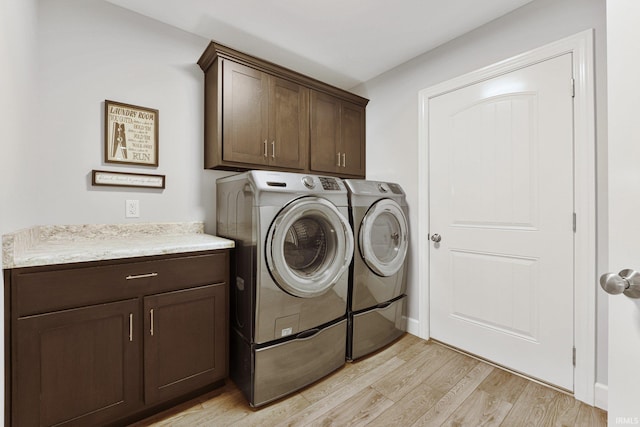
x: 436, y: 238
x: 273, y: 149
x: 338, y: 159
x: 626, y: 282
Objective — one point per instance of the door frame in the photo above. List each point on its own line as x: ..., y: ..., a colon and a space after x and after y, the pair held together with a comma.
x: 585, y: 276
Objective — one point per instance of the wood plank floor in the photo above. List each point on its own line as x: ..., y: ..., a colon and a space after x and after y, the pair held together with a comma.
x: 410, y: 383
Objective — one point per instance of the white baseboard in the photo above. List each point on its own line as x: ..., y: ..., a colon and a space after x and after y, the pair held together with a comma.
x: 601, y: 396
x: 413, y: 326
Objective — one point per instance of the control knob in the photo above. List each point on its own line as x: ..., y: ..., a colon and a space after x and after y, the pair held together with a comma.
x: 308, y: 182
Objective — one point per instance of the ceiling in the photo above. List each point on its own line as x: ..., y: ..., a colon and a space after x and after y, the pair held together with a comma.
x: 341, y: 42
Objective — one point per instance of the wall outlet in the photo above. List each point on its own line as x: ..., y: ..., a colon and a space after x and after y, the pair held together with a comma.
x: 132, y: 209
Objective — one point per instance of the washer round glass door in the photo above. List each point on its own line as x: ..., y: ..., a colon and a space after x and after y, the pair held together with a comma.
x: 309, y: 246
x: 383, y: 237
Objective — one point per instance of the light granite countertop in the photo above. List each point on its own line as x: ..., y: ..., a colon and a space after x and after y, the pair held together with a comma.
x: 64, y: 244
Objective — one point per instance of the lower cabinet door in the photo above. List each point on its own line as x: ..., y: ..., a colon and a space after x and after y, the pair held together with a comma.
x: 77, y: 367
x: 185, y: 341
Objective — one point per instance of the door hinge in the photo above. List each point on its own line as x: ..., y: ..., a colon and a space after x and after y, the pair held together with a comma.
x: 572, y: 87
x: 574, y: 356
x: 575, y: 222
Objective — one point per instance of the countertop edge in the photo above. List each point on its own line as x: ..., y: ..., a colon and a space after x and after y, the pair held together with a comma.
x: 54, y: 245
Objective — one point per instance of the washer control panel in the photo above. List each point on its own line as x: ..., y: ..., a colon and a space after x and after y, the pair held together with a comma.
x: 329, y: 183
x: 308, y: 182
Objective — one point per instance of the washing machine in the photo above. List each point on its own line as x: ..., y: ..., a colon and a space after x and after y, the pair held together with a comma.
x: 378, y: 275
x: 290, y: 279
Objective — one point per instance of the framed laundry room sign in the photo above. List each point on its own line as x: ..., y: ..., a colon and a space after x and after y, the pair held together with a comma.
x: 130, y: 134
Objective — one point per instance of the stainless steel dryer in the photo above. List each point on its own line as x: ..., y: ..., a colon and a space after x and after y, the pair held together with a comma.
x: 377, y: 284
x: 294, y: 245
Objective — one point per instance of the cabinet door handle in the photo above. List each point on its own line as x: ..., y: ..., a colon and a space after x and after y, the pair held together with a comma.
x: 265, y: 148
x: 130, y: 326
x: 344, y: 160
x: 338, y: 159
x: 151, y: 319
x: 273, y: 149
x: 140, y: 276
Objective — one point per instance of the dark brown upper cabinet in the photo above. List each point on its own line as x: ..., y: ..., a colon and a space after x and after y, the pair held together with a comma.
x: 264, y: 120
x: 337, y: 136
x: 259, y: 115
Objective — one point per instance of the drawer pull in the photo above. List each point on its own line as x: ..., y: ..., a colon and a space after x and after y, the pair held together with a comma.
x: 151, y: 320
x: 141, y: 276
x: 130, y: 326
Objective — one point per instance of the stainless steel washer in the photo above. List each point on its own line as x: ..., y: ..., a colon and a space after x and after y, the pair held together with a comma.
x: 294, y: 245
x: 377, y: 284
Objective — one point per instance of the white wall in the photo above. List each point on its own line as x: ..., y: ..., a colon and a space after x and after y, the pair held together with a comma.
x: 18, y: 113
x: 89, y: 51
x: 60, y: 59
x: 392, y: 113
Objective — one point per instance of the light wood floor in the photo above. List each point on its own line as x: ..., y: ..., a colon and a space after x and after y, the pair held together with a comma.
x: 410, y: 383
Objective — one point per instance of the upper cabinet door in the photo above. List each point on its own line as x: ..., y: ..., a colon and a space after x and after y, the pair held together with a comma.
x: 245, y: 114
x: 337, y: 136
x: 352, y: 136
x: 288, y: 124
x: 325, y: 133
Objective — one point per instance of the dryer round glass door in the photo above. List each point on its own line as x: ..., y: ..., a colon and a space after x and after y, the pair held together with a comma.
x: 383, y: 237
x: 309, y: 246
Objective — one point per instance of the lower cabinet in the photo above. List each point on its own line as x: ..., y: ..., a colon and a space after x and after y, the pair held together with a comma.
x: 162, y: 337
x: 180, y: 341
x: 79, y: 366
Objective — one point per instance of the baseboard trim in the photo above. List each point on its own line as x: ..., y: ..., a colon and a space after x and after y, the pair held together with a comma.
x: 413, y: 326
x: 601, y: 396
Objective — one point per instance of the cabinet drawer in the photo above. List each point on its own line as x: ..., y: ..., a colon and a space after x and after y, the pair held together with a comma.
x: 37, y: 291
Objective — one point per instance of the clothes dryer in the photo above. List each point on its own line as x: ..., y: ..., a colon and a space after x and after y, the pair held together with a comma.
x: 294, y: 245
x: 377, y: 283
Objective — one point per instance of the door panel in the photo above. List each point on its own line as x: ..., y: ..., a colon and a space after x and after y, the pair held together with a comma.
x: 183, y: 330
x: 288, y: 124
x: 502, y: 193
x: 325, y: 136
x: 245, y: 119
x: 515, y: 306
x: 501, y: 189
x: 623, y: 223
x: 79, y: 365
x: 352, y: 139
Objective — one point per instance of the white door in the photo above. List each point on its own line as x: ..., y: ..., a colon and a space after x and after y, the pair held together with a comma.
x: 501, y: 201
x: 624, y: 204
